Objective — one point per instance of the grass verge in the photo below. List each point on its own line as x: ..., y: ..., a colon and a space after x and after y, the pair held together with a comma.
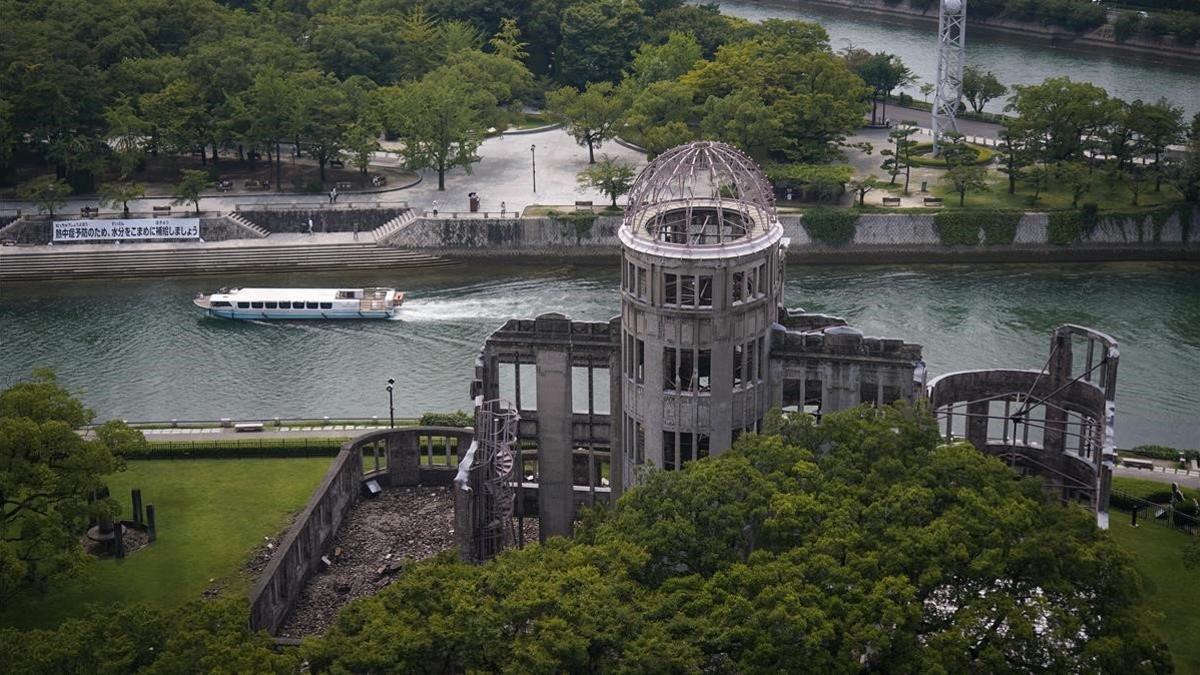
x: 1170, y: 588
x: 210, y: 513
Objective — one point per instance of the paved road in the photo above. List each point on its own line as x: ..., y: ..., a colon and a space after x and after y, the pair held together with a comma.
x: 504, y: 173
x: 1191, y: 481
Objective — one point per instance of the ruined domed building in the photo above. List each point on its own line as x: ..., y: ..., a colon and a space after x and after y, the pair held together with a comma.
x: 572, y: 413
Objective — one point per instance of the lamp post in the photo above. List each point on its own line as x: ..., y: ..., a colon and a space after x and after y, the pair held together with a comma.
x: 533, y: 159
x: 391, y: 407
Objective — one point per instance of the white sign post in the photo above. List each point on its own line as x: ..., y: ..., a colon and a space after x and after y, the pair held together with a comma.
x: 127, y: 230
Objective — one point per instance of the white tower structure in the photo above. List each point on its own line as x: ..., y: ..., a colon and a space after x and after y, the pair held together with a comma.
x: 952, y: 33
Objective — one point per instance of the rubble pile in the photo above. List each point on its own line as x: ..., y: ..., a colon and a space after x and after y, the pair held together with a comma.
x: 378, y: 538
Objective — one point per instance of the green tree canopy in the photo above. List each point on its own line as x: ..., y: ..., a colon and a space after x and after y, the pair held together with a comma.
x: 440, y: 121
x: 592, y: 116
x: 657, y: 62
x: 1062, y: 112
x: 598, y: 39
x: 609, y: 176
x: 979, y: 87
x: 48, y: 474
x: 862, y: 543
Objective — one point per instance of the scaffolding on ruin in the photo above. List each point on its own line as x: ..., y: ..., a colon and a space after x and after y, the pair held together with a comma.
x: 487, y: 477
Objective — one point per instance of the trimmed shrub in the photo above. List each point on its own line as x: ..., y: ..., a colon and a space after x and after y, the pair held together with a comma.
x: 1163, y: 452
x: 921, y: 157
x: 1089, y: 215
x: 1065, y: 227
x: 834, y: 227
x: 457, y: 418
x: 957, y: 228
x: 962, y: 228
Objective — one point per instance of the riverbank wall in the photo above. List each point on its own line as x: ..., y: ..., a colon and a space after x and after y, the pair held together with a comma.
x: 867, y: 238
x: 1101, y: 38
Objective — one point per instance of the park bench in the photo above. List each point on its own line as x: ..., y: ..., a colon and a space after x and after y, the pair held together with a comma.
x: 88, y: 210
x: 345, y: 185
x: 248, y: 426
x: 8, y: 242
x: 378, y: 181
x: 583, y: 204
x: 257, y: 185
x: 933, y: 201
x: 336, y: 163
x: 162, y: 209
x: 224, y: 185
x: 891, y: 201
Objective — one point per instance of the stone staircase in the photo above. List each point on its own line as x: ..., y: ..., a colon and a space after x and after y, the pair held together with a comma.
x: 208, y: 260
x: 382, y: 232
x: 249, y: 226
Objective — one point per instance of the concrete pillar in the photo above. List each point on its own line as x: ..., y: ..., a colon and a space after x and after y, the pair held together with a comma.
x: 137, y: 506
x: 616, y: 455
x: 118, y: 540
x: 977, y: 423
x: 404, y: 459
x: 556, y: 507
x: 151, y: 525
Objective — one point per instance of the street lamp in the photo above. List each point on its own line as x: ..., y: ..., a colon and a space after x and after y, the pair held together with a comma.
x: 533, y: 159
x: 391, y: 407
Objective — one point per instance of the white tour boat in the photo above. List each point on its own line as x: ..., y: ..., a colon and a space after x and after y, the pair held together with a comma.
x: 301, y: 303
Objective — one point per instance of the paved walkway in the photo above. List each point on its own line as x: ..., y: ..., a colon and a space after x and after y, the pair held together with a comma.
x: 504, y: 173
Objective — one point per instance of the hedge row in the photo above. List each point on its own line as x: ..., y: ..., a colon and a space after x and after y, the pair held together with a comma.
x: 834, y: 227
x: 962, y: 228
x: 266, y: 447
x: 983, y: 155
x: 1065, y: 227
x: 454, y: 419
x: 1162, y: 452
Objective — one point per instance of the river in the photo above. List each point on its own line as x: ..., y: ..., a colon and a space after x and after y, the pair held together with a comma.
x: 139, y: 350
x: 1014, y: 61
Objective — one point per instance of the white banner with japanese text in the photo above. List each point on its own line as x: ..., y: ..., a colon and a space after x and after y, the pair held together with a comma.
x: 127, y: 230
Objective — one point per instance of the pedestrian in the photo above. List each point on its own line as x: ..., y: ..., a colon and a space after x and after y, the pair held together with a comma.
x: 310, y: 226
x: 356, y: 231
x: 333, y: 195
x: 502, y: 208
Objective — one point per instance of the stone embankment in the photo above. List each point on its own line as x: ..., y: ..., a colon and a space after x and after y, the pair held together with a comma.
x: 882, y: 237
x: 1101, y: 38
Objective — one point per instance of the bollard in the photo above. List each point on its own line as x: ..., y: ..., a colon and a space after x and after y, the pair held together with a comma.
x: 151, y: 530
x: 1133, y: 523
x: 118, y: 540
x: 137, y: 506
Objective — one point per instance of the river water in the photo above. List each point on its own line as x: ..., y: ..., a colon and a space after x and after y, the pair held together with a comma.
x: 1014, y: 61
x: 139, y: 350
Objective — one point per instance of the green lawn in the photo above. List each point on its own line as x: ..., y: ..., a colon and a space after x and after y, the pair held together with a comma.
x: 1106, y: 193
x: 1140, y: 487
x: 210, y: 513
x: 1170, y: 589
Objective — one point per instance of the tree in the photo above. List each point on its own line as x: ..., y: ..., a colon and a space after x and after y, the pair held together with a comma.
x: 883, y: 72
x: 1157, y: 126
x: 127, y: 135
x: 964, y: 178
x: 668, y: 61
x: 507, y: 41
x: 268, y: 106
x: 440, y: 123
x: 743, y: 119
x: 1063, y: 113
x: 191, y: 184
x: 899, y: 158
x: 860, y: 544
x: 979, y: 87
x: 1184, y: 172
x: 180, y: 119
x: 609, y: 176
x: 46, y: 192
x: 459, y: 36
x: 598, y: 37
x: 1135, y: 176
x: 926, y: 89
x: 591, y: 116
x: 664, y: 102
x: 321, y: 114
x: 1017, y: 150
x: 420, y: 47
x: 862, y: 186
x: 361, y: 141
x: 50, y: 476
x: 121, y: 193
x: 1126, y: 26
x: 1075, y: 177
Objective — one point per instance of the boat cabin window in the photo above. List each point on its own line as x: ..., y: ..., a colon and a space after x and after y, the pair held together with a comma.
x: 311, y: 305
x: 256, y: 305
x: 220, y: 303
x: 285, y: 304
x: 272, y: 305
x: 243, y: 305
x: 326, y: 305
x: 347, y: 295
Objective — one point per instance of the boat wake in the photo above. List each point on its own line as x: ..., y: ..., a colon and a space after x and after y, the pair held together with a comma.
x: 461, y: 310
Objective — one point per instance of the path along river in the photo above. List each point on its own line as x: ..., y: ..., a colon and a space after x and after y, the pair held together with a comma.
x: 139, y: 350
x: 1013, y: 60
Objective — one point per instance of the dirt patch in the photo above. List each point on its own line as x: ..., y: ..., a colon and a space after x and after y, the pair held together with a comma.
x: 378, y: 538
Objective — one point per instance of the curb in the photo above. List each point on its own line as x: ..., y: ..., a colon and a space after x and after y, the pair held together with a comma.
x: 535, y: 130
